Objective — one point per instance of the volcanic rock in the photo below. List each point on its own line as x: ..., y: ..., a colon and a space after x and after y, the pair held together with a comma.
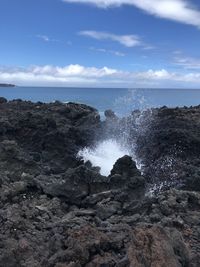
x: 57, y: 211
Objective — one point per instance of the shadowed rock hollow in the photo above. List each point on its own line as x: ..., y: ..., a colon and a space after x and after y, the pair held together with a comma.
x: 57, y: 211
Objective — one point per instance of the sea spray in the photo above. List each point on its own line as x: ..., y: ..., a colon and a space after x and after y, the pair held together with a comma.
x: 119, y: 140
x: 132, y: 135
x: 104, y: 154
x: 132, y: 100
x: 119, y: 136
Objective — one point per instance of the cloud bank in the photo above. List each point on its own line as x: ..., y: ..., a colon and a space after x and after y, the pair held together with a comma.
x: 177, y: 10
x: 77, y: 75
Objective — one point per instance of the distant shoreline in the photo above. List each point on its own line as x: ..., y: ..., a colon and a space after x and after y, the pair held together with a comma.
x: 7, y: 85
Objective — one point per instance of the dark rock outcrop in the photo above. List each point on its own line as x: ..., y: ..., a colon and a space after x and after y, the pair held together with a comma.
x: 57, y: 211
x: 6, y: 85
x: 168, y: 144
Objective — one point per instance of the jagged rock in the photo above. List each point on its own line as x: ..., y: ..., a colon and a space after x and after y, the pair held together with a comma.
x: 127, y: 179
x: 3, y: 100
x: 168, y: 142
x: 109, y: 114
x: 57, y: 211
x: 158, y: 247
x: 51, y: 133
x: 106, y: 209
x: 75, y: 185
x: 126, y: 167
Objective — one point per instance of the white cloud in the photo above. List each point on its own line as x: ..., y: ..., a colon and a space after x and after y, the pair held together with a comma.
x: 177, y: 10
x: 72, y: 71
x: 46, y: 38
x: 155, y: 75
x: 112, y: 52
x: 77, y: 75
x: 187, y: 62
x: 43, y: 37
x: 126, y: 40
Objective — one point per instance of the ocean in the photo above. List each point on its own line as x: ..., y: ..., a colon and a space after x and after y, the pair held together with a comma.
x: 122, y: 101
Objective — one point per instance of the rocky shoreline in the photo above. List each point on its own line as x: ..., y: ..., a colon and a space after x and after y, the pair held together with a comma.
x: 56, y: 210
x: 7, y: 85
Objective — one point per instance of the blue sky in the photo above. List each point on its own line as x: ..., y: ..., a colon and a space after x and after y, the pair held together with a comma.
x: 116, y: 43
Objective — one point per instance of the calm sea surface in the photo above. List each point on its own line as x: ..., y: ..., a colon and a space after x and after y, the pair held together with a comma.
x: 120, y: 100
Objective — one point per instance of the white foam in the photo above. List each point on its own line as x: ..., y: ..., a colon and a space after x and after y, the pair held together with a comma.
x: 104, y: 155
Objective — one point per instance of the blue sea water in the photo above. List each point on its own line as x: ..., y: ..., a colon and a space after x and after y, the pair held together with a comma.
x: 122, y: 101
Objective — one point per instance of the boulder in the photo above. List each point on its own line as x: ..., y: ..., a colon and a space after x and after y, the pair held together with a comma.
x: 158, y: 247
x: 3, y: 100
x: 74, y: 185
x: 110, y: 115
x: 125, y: 167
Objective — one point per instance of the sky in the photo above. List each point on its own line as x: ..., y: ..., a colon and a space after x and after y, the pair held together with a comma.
x: 100, y: 43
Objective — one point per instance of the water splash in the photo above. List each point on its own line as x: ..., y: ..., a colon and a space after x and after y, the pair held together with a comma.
x: 120, y: 136
x: 133, y: 100
x: 104, y: 155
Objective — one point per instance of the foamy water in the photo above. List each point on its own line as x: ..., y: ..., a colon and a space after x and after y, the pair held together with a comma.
x: 104, y: 155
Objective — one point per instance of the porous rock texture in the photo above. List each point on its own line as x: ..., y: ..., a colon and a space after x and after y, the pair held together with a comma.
x: 57, y: 211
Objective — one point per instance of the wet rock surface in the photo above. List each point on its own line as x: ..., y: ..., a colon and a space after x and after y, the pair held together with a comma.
x: 169, y: 146
x: 57, y: 211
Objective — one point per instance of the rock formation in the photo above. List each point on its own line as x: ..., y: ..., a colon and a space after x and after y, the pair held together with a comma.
x: 6, y: 85
x: 57, y: 211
